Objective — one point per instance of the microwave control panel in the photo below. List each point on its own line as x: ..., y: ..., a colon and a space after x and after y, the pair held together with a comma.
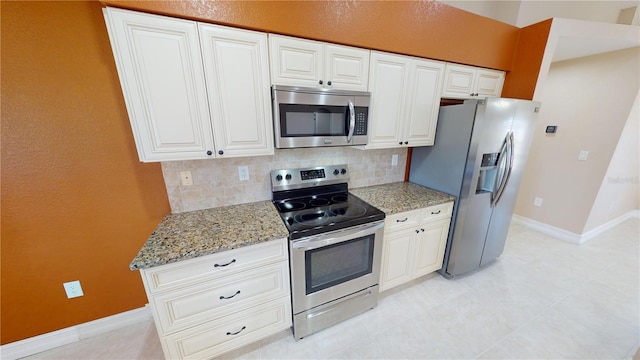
x: 361, y: 121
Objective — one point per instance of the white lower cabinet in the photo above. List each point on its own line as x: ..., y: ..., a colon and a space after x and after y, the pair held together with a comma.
x: 414, y: 244
x: 220, y: 302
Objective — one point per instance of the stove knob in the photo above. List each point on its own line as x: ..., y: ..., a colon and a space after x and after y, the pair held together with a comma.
x: 279, y: 177
x: 336, y: 172
x: 288, y: 177
x: 343, y: 171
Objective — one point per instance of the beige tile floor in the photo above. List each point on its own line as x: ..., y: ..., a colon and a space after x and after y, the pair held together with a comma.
x: 542, y: 299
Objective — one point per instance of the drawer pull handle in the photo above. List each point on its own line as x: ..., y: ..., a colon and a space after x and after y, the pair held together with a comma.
x: 227, y: 264
x: 436, y: 212
x: 405, y: 219
x: 237, y: 332
x: 229, y: 297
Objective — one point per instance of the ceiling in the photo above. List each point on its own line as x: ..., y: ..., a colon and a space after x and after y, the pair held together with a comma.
x: 601, y: 14
x: 576, y: 47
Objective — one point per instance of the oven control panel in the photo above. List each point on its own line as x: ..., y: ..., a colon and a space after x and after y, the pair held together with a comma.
x: 287, y: 179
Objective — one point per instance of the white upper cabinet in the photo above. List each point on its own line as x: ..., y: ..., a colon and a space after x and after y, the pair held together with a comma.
x: 236, y: 65
x: 405, y: 100
x: 160, y: 70
x: 177, y: 102
x: 300, y: 62
x: 468, y: 82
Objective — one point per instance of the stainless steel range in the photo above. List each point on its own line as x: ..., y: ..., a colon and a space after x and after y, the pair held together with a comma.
x: 335, y: 246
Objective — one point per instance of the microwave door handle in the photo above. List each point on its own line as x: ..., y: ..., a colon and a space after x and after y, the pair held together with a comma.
x: 352, y: 120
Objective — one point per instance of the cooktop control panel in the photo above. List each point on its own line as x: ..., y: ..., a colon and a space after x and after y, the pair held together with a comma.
x: 286, y: 179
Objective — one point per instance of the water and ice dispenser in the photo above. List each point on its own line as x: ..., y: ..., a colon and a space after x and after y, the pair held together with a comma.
x: 488, y: 173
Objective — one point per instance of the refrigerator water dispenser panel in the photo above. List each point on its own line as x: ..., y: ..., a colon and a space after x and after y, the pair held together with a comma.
x: 488, y: 173
x: 490, y: 159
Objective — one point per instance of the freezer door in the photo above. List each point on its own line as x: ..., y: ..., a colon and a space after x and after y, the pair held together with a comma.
x: 524, y: 119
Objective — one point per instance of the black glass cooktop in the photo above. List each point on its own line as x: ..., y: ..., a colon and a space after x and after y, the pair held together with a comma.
x: 328, y: 208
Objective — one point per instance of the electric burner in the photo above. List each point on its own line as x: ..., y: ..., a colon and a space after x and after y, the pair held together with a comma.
x: 316, y: 200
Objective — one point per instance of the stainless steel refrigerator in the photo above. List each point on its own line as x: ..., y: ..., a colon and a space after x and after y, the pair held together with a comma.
x: 479, y: 154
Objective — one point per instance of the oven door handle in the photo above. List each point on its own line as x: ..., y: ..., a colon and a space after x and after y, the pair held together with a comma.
x: 318, y: 241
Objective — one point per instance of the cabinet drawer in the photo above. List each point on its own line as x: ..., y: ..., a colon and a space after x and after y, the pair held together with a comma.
x: 216, y: 298
x: 402, y: 220
x: 437, y: 212
x: 216, y: 337
x: 213, y: 266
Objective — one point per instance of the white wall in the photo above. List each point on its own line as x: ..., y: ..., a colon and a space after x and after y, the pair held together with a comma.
x: 589, y: 99
x: 620, y: 190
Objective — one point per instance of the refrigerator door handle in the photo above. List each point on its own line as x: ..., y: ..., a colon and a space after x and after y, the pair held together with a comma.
x: 502, y: 156
x: 505, y: 180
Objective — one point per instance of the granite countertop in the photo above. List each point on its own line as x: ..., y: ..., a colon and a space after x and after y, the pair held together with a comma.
x: 202, y: 232
x: 401, y: 196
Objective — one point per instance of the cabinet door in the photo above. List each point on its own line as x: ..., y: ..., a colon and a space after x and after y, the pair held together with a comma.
x: 458, y: 81
x: 346, y: 68
x: 489, y: 83
x: 295, y: 61
x: 397, y: 255
x: 430, y: 245
x: 387, y: 83
x: 236, y: 65
x: 425, y: 87
x: 160, y: 70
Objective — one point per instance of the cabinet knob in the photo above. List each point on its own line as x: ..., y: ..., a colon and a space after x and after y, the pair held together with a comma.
x: 329, y: 82
x: 400, y: 143
x: 422, y: 230
x: 209, y: 152
x: 220, y: 152
x: 406, y: 142
x: 320, y: 82
x: 417, y: 231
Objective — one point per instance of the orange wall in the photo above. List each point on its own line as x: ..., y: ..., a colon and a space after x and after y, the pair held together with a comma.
x: 521, y: 81
x: 422, y: 28
x: 76, y: 203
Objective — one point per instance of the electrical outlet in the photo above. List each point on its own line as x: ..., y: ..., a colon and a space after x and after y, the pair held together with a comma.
x: 73, y: 289
x: 243, y: 173
x: 185, y: 178
x: 537, y: 202
x: 394, y: 160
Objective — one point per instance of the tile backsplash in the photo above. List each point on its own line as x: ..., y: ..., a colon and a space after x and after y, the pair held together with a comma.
x: 216, y: 182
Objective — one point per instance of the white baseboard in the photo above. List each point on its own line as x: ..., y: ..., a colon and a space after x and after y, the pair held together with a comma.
x: 608, y: 225
x: 36, y: 344
x: 547, y: 229
x: 571, y: 236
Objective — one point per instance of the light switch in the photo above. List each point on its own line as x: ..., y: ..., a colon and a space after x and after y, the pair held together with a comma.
x: 584, y: 154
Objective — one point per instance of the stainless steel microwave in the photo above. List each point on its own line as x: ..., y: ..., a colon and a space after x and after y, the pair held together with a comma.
x: 309, y: 117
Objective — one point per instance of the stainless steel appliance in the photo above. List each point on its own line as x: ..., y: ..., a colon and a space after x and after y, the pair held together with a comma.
x: 310, y: 117
x: 480, y: 151
x: 335, y: 246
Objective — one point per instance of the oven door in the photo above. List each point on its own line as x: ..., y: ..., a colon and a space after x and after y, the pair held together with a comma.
x: 329, y: 266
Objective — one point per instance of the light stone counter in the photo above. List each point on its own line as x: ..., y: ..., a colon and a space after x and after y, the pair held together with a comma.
x: 202, y: 232
x: 401, y: 196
